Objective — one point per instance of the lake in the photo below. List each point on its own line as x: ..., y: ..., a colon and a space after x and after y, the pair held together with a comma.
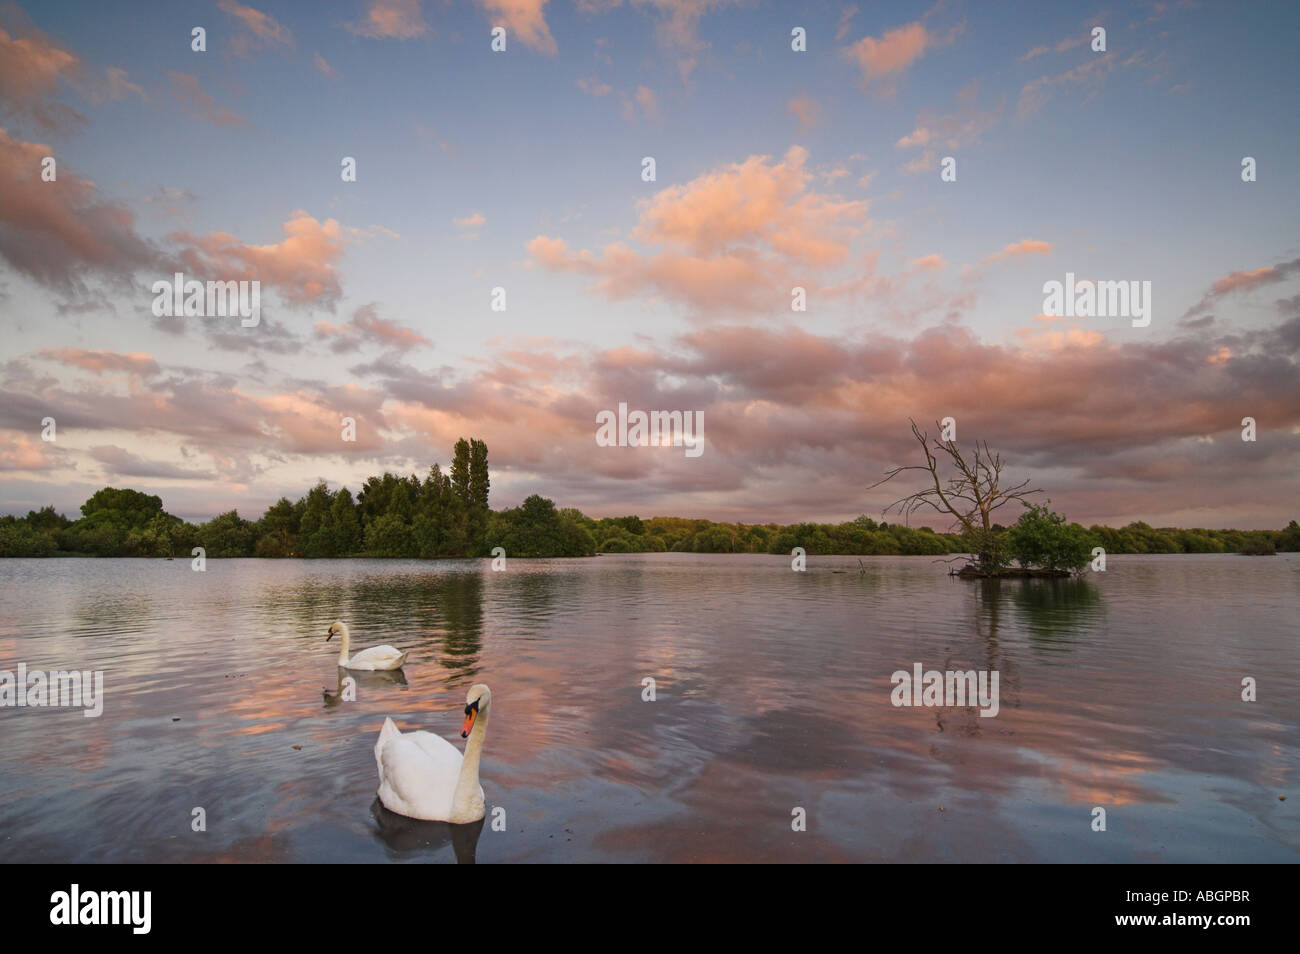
x: 1119, y: 690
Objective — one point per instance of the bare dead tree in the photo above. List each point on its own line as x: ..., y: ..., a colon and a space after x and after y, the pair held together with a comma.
x: 971, y: 495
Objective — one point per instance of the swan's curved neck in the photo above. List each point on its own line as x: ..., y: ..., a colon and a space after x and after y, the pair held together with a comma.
x: 344, y: 641
x: 467, y: 785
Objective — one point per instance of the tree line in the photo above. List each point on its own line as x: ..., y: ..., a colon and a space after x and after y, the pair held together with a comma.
x: 447, y: 515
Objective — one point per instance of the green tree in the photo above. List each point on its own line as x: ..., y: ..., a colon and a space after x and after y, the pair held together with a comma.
x: 278, y: 530
x: 460, y: 470
x: 132, y: 507
x: 1042, y: 538
x: 536, y: 529
x: 345, y: 525
x: 316, y: 530
x: 19, y: 539
x: 227, y: 535
x: 480, y: 484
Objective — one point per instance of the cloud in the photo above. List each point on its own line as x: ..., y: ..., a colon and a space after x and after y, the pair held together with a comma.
x: 807, y: 110
x: 799, y: 417
x: 643, y: 103
x: 98, y: 362
x: 302, y: 267
x: 956, y: 130
x: 241, y: 429
x: 524, y: 20
x: 470, y: 224
x: 594, y: 87
x: 929, y: 263
x: 883, y: 59
x: 922, y: 163
x: 187, y: 92
x: 1244, y: 281
x: 796, y: 421
x: 123, y: 463
x: 845, y: 23
x: 22, y: 452
x: 677, y: 29
x: 367, y: 327
x: 324, y: 67
x: 731, y: 239
x: 391, y: 20
x: 1076, y: 39
x: 117, y: 85
x: 31, y: 68
x: 62, y: 232
x: 173, y: 198
x: 1037, y: 92
x: 1019, y: 250
x: 260, y: 29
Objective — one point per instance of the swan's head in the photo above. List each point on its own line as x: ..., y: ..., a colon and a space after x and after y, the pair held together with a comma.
x: 335, y: 629
x: 477, y: 701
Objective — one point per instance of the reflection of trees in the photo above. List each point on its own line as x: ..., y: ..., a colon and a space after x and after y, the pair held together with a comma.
x: 411, y: 610
x: 532, y: 595
x: 1054, y: 612
x: 460, y: 600
x: 988, y: 617
x: 1057, y: 612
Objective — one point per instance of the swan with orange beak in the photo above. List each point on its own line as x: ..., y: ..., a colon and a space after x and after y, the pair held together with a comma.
x: 422, y: 775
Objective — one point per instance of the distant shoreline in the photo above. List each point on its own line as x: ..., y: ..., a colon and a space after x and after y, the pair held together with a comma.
x: 448, y: 517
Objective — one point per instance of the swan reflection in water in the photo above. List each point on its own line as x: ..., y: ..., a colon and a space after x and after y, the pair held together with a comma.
x: 368, y: 680
x: 410, y: 836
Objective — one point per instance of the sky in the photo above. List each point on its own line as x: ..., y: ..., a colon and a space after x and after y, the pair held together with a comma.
x: 502, y: 266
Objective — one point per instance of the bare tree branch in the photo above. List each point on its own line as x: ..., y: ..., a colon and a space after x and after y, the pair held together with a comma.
x: 970, y: 496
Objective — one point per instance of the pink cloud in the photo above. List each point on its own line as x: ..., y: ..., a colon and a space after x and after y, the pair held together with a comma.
x: 302, y: 266
x: 367, y: 326
x: 191, y: 96
x: 31, y: 68
x: 524, y: 20
x: 807, y: 110
x: 61, y: 232
x: 732, y: 238
x: 892, y: 52
x: 19, y: 451
x: 391, y: 20
x: 262, y: 28
x: 883, y: 59
x: 1244, y: 281
x: 136, y: 362
x: 1020, y: 249
x: 964, y: 127
x: 1037, y: 92
x: 643, y: 104
x: 922, y: 163
x: 594, y: 87
x: 797, y: 422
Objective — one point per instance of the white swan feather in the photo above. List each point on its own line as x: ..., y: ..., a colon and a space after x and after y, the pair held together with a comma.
x: 372, y: 659
x: 422, y: 775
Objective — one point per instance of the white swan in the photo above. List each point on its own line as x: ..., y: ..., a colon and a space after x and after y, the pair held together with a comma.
x: 422, y: 775
x: 377, y: 657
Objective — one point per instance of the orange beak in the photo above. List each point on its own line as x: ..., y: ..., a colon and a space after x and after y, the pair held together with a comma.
x: 469, y: 723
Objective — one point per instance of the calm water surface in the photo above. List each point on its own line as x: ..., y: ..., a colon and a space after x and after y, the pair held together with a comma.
x: 1120, y: 690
